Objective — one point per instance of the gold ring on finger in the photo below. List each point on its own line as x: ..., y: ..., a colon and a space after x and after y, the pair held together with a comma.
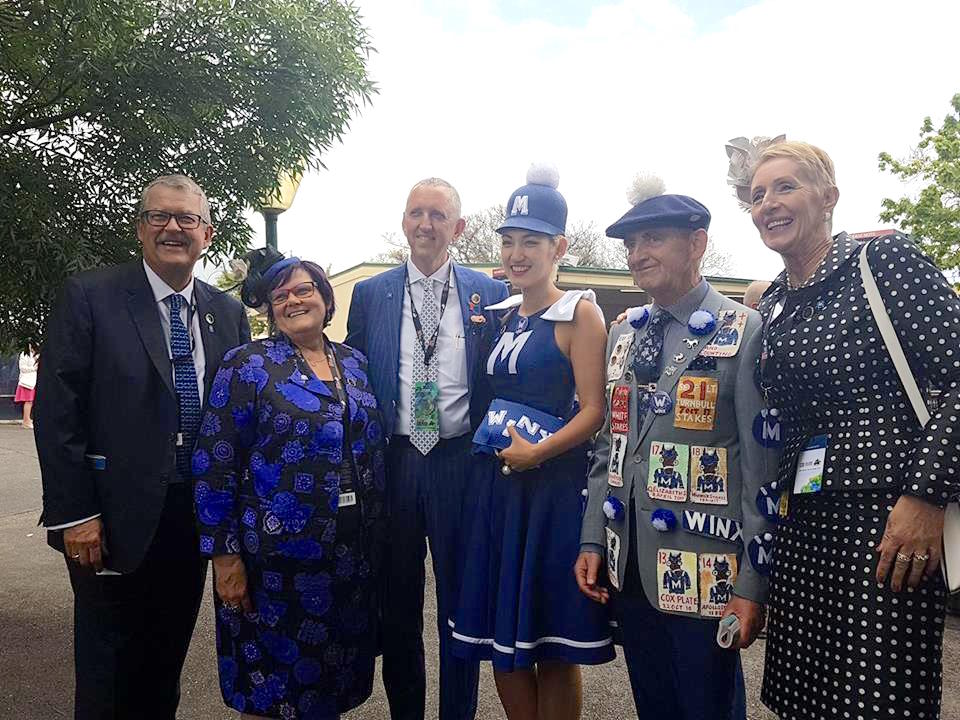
x: 921, y: 557
x: 903, y: 557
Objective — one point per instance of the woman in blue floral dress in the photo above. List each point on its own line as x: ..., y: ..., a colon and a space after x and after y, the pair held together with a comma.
x: 289, y: 484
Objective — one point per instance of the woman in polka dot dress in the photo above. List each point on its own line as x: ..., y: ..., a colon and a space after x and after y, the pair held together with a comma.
x: 856, y: 598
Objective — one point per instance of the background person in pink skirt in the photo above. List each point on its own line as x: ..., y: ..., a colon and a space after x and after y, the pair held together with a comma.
x: 26, y: 385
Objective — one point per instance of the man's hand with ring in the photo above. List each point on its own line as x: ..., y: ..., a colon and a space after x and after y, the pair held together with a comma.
x: 83, y: 543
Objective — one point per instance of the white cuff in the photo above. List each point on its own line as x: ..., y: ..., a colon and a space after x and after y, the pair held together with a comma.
x: 70, y: 524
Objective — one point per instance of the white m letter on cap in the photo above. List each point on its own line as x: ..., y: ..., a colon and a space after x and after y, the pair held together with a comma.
x: 520, y: 203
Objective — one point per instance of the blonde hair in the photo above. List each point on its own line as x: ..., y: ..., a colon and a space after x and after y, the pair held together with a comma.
x: 178, y: 182
x: 812, y: 159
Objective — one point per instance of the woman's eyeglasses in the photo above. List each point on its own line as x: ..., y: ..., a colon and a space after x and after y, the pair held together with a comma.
x: 302, y: 292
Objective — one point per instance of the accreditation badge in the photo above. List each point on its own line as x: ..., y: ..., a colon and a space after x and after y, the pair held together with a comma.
x: 677, y: 578
x: 618, y: 358
x: 708, y: 472
x: 726, y: 343
x: 718, y: 573
x: 809, y: 477
x: 426, y: 408
x: 696, y: 404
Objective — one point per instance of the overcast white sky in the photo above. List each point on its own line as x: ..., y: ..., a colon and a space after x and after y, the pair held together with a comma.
x: 474, y: 90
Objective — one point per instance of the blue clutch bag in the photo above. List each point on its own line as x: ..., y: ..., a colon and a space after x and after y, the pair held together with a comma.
x: 532, y: 424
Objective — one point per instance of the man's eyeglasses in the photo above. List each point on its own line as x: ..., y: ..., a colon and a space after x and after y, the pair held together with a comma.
x: 302, y: 291
x: 159, y: 218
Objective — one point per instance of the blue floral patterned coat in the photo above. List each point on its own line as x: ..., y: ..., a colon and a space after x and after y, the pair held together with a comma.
x: 268, y: 469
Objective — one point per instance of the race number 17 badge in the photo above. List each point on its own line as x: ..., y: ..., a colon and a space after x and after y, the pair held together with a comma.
x: 696, y: 406
x: 668, y: 471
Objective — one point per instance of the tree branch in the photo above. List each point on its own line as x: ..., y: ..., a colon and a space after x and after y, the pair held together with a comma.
x: 14, y: 128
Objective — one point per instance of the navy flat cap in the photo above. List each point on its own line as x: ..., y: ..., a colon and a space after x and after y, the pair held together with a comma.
x: 672, y: 211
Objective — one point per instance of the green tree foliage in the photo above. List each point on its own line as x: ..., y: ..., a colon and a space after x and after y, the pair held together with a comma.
x: 98, y: 97
x: 934, y: 217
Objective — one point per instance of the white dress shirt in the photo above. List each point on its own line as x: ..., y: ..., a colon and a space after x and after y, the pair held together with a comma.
x: 160, y: 291
x: 454, y: 400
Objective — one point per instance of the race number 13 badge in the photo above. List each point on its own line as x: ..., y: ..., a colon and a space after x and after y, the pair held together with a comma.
x: 677, y: 575
x: 696, y: 406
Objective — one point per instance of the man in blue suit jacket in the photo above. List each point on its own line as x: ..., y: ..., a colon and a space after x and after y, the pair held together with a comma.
x: 427, y: 475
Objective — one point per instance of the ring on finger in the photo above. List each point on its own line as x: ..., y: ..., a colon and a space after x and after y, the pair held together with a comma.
x: 921, y: 557
x: 76, y: 557
x: 903, y: 558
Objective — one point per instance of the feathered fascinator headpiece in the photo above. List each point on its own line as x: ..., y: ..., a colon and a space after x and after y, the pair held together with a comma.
x: 743, y: 154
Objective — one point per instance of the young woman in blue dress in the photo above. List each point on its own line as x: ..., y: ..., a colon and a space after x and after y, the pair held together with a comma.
x: 519, y: 603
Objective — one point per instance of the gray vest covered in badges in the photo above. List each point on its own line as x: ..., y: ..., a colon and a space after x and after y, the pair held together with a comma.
x: 692, y: 468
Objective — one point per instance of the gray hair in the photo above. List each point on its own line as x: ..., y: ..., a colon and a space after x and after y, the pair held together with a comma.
x: 439, y: 182
x: 178, y: 182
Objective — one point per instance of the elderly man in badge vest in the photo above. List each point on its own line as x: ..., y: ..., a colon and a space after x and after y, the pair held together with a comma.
x: 420, y: 326
x: 676, y: 525
x: 130, y: 353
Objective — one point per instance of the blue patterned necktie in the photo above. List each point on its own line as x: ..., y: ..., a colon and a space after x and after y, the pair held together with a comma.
x: 185, y: 384
x: 646, y: 360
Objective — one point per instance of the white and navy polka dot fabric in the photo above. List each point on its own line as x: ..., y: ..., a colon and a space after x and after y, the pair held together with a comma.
x: 839, y: 645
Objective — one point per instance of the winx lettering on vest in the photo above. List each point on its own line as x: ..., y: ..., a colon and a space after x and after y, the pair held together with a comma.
x: 706, y: 524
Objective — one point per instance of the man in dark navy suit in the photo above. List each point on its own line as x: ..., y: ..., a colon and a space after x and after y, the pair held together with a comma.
x: 420, y: 326
x: 130, y: 352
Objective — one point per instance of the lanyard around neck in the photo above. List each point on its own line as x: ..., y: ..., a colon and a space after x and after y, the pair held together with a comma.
x: 428, y: 346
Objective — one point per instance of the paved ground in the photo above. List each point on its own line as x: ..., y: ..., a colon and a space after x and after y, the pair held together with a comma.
x: 36, y: 656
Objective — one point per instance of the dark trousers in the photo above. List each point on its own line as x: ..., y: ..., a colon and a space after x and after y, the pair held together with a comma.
x: 427, y: 498
x: 676, y: 668
x: 132, y: 631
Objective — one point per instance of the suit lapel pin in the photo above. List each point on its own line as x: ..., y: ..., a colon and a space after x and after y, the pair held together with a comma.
x: 209, y: 318
x: 678, y: 358
x: 670, y: 370
x: 691, y: 342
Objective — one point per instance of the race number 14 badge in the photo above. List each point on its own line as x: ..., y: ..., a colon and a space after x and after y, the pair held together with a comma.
x: 677, y: 573
x: 718, y: 573
x: 708, y: 468
x: 696, y: 406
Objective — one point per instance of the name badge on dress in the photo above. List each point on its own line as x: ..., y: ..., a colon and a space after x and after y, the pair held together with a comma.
x: 809, y: 477
x: 426, y: 408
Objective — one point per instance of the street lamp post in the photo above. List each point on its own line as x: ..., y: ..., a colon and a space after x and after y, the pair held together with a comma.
x: 277, y: 203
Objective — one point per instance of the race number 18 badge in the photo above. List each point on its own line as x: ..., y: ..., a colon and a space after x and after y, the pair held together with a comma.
x: 696, y: 406
x: 677, y: 575
x: 718, y: 573
x: 708, y: 472
x: 667, y: 478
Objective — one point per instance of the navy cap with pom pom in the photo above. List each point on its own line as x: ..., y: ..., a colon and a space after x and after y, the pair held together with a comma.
x: 671, y: 211
x: 537, y: 206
